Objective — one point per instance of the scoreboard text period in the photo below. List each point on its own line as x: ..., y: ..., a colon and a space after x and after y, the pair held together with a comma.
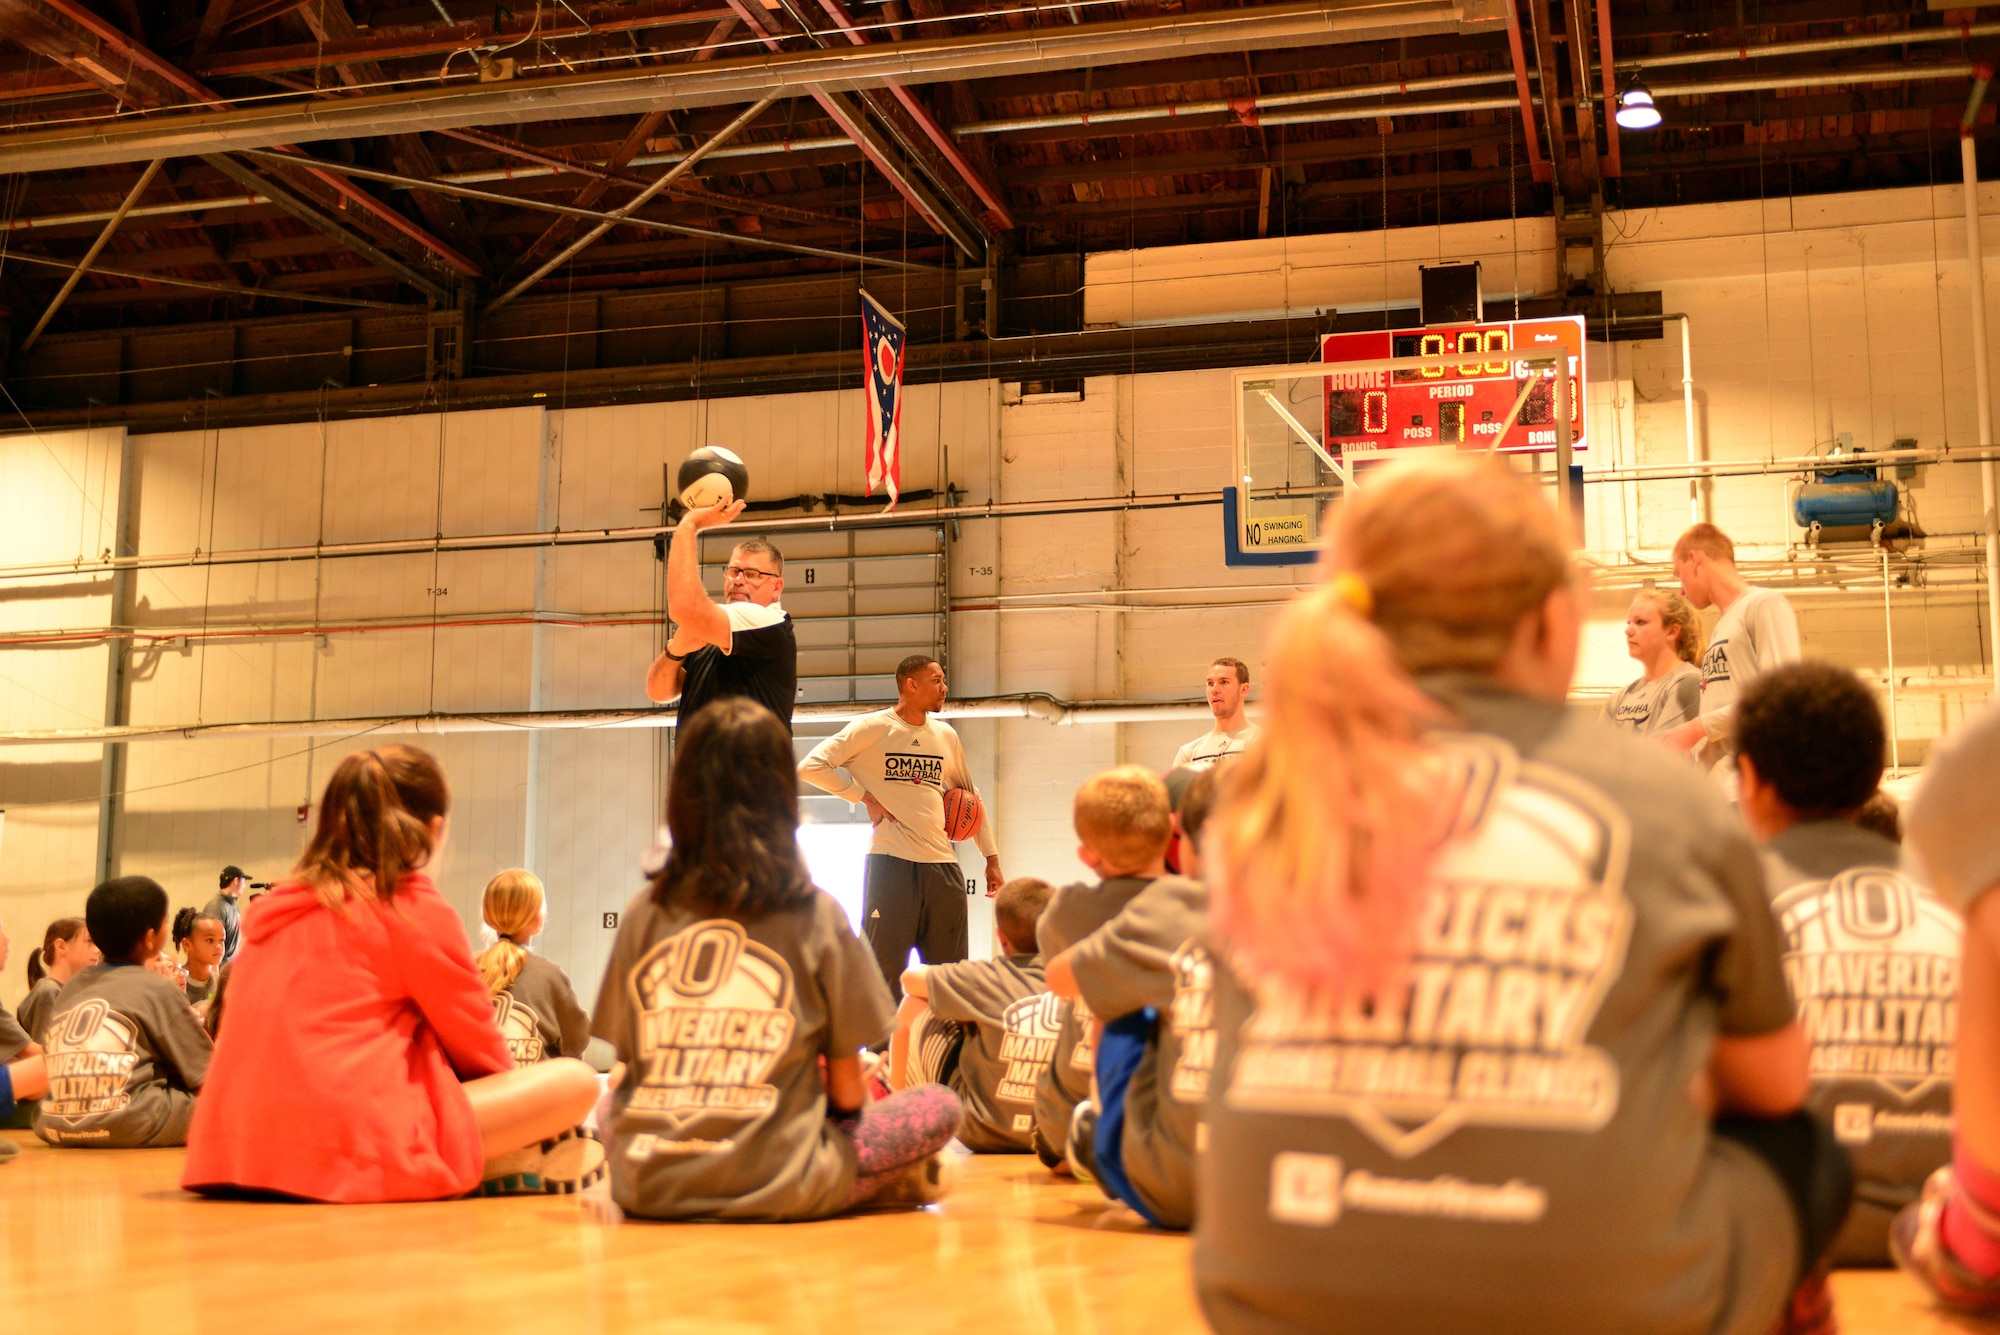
x: 1464, y: 406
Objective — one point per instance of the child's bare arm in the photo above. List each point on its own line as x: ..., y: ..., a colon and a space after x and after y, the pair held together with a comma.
x: 844, y: 1090
x: 916, y: 981
x: 908, y: 1016
x: 1061, y: 976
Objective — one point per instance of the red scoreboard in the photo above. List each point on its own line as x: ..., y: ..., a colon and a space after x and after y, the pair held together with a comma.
x: 1464, y: 405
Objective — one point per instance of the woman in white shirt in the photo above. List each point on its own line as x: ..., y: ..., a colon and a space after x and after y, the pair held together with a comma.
x: 1663, y: 632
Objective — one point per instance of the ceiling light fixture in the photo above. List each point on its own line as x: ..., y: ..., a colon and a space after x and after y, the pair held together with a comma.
x: 1635, y: 107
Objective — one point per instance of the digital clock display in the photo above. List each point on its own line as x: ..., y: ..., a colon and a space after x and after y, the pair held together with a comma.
x: 1463, y: 405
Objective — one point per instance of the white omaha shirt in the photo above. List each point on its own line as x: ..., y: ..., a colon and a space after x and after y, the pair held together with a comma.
x: 1758, y: 632
x: 907, y: 769
x: 1213, y: 745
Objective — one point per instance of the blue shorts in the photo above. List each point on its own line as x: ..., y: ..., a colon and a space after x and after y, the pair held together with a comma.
x: 1119, y: 1053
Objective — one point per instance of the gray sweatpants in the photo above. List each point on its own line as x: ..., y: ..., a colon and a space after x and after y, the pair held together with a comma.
x: 906, y: 904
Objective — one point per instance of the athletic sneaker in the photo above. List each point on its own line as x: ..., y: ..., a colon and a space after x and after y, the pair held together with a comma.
x: 1918, y: 1246
x: 925, y: 1182
x: 560, y: 1166
x: 1083, y: 1141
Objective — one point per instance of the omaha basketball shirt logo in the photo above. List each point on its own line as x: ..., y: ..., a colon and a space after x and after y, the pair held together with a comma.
x: 1031, y: 1027
x: 1523, y: 934
x: 1715, y: 663
x: 715, y: 1017
x: 520, y: 1027
x: 92, y: 1051
x: 1873, y: 961
x: 919, y: 769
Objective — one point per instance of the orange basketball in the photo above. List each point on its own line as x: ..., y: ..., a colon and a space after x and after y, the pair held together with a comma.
x: 962, y: 813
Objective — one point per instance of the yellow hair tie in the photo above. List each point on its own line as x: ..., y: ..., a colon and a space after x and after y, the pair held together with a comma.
x: 1351, y: 589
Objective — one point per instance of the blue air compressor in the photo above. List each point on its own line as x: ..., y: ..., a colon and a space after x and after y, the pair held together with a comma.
x: 1845, y: 498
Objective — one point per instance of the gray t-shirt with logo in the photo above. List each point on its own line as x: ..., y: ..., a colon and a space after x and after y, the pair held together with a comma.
x: 1508, y: 1140
x: 1873, y: 960
x: 539, y: 1014
x: 1153, y: 955
x: 1074, y: 912
x: 1010, y: 1025
x: 125, y: 1057
x: 722, y: 1113
x: 1649, y: 707
x: 13, y: 1037
x: 38, y: 1006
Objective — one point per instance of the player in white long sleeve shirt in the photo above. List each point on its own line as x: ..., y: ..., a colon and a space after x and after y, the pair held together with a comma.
x: 1227, y: 687
x: 898, y: 762
x: 1757, y: 632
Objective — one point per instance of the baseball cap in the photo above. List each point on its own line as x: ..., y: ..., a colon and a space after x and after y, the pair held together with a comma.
x: 232, y: 872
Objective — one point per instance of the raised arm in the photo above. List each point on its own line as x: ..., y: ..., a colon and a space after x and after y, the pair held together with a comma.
x: 697, y: 618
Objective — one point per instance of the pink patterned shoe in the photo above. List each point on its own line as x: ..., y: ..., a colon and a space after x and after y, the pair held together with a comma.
x: 1918, y: 1246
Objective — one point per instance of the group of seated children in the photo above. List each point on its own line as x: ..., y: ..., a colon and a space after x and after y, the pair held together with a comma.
x: 1497, y: 1019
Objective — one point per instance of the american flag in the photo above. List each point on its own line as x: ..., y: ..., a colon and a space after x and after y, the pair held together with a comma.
x: 882, y: 340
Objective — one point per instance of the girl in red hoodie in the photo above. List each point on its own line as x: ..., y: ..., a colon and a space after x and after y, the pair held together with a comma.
x: 361, y: 1061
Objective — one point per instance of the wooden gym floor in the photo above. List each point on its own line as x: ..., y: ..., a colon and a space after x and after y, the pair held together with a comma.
x: 104, y: 1241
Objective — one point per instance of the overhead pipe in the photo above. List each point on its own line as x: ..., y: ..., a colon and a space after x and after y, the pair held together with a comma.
x: 1245, y: 107
x: 1952, y: 69
x: 1975, y: 259
x: 871, y: 519
x: 835, y: 142
x: 1044, y: 707
x: 1778, y: 50
x: 600, y: 536
x: 734, y: 81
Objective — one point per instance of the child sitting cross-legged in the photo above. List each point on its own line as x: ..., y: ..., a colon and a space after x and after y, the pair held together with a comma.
x: 1125, y: 822
x: 985, y: 1028
x: 361, y: 1061
x: 1147, y: 978
x: 125, y: 1054
x: 533, y: 1001
x: 739, y: 1000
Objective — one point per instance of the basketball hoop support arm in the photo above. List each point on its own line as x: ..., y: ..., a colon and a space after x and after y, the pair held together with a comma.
x: 1346, y: 478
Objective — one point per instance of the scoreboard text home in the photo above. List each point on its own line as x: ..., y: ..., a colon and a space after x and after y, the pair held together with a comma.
x: 1464, y: 406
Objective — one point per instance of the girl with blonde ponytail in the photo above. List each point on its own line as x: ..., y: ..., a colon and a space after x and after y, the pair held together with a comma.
x: 361, y: 1061
x: 1503, y: 1038
x: 532, y: 998
x: 1662, y: 631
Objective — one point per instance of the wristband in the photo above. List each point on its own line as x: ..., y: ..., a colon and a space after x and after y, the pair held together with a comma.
x: 678, y: 658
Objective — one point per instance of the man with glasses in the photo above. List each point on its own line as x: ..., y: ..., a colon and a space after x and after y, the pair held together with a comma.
x: 745, y: 645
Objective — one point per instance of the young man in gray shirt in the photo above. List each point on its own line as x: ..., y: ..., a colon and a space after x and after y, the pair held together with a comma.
x: 1757, y: 631
x: 125, y: 1053
x: 1871, y: 953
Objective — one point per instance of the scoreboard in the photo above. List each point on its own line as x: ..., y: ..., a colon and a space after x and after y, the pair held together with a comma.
x: 1462, y: 406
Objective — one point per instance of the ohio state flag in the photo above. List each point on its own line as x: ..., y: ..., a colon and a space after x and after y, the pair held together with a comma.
x: 882, y: 340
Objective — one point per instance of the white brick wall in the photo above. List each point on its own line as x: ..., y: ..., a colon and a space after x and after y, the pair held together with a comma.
x: 1811, y: 317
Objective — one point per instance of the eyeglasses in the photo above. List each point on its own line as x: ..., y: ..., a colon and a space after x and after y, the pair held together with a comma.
x: 747, y: 572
